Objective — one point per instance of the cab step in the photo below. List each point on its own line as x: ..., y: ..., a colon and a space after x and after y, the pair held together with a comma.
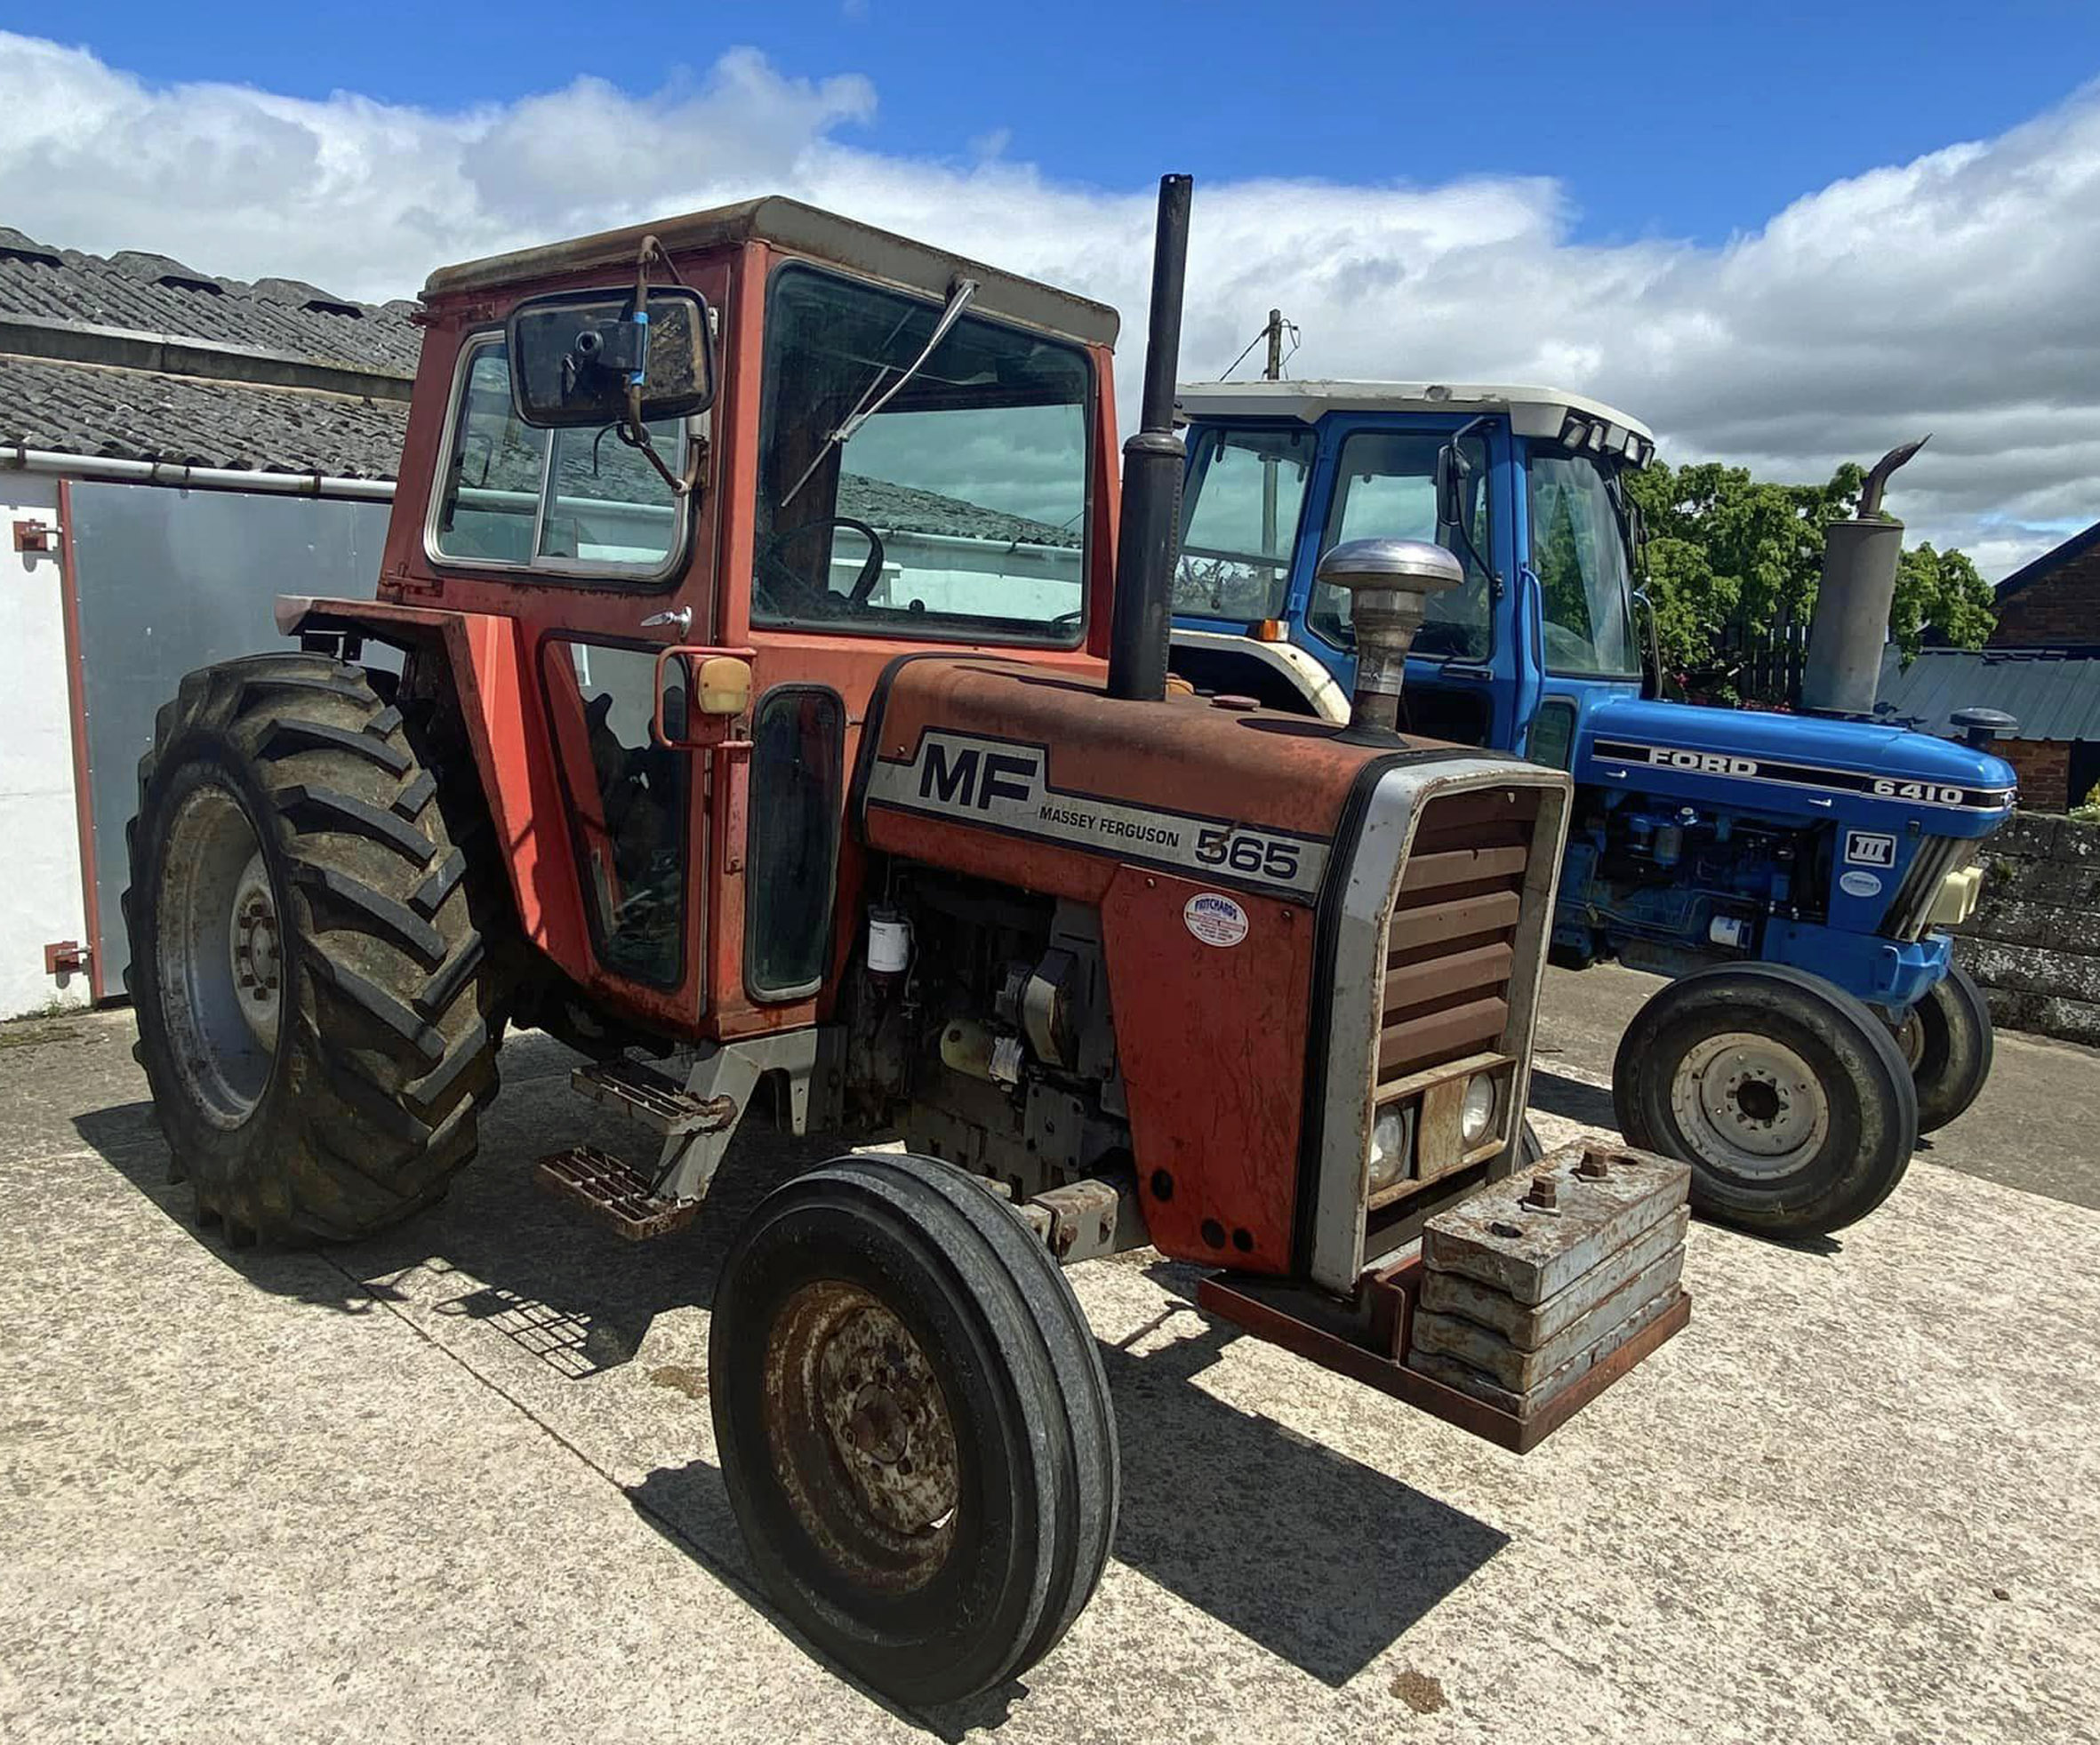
x: 613, y: 1193
x: 651, y: 1099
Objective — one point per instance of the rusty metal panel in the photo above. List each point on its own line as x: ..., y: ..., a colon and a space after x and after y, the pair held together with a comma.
x: 169, y: 580
x: 1504, y: 1237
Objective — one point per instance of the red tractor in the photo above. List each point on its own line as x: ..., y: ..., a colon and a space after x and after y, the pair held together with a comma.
x: 781, y: 711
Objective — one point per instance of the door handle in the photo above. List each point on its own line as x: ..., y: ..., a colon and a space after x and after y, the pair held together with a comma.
x: 680, y: 620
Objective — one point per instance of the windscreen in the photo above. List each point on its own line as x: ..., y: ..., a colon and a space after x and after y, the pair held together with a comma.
x: 959, y: 510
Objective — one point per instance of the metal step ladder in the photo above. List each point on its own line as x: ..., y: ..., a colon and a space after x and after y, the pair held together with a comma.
x: 612, y: 1192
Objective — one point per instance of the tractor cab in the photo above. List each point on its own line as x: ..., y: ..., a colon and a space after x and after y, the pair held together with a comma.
x: 1521, y: 485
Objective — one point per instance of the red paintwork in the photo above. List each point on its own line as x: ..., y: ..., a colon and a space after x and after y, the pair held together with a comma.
x: 492, y: 624
x: 1223, y: 1120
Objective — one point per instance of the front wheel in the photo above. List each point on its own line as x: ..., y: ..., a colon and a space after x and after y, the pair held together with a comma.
x: 1947, y: 1038
x: 914, y: 1425
x: 1787, y: 1097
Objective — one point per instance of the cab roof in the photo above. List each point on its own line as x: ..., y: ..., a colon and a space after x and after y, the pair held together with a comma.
x: 1546, y: 413
x: 796, y: 228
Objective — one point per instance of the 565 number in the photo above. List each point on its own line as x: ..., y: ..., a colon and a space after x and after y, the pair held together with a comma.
x: 1245, y: 851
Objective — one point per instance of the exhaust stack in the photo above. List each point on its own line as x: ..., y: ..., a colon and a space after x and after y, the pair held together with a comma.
x: 1151, y: 512
x: 1843, y: 672
x: 1390, y: 582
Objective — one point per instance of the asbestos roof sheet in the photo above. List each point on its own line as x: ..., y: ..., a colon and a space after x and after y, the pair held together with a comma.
x: 2053, y: 694
x: 137, y: 415
x: 151, y: 294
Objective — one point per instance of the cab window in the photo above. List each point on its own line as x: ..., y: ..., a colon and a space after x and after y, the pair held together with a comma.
x: 1385, y: 488
x: 579, y: 502
x: 1578, y: 552
x: 1239, y: 521
x: 959, y: 510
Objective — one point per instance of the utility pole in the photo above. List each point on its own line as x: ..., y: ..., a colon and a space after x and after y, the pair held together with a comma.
x: 1271, y: 372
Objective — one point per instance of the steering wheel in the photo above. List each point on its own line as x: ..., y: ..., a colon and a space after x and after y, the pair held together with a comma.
x: 856, y: 596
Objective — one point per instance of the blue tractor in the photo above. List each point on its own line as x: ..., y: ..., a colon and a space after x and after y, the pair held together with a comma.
x: 1794, y: 875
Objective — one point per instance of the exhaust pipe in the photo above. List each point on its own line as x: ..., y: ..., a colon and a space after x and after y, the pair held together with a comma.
x: 1843, y: 672
x: 1152, y: 511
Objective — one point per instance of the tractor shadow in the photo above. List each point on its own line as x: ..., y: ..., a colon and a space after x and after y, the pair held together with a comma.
x: 1306, y: 1553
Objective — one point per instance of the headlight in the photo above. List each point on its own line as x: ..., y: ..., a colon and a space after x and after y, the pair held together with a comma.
x: 1475, y: 1114
x: 1389, y: 1150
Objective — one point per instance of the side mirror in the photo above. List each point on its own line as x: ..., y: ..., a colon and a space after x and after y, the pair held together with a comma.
x: 1454, y: 493
x: 698, y: 695
x: 575, y: 356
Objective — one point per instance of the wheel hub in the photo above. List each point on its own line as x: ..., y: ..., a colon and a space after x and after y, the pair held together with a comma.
x: 256, y: 952
x: 219, y: 957
x: 863, y: 1444
x: 1748, y: 1105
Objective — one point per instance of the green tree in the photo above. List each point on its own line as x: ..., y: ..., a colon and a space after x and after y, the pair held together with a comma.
x: 1728, y: 554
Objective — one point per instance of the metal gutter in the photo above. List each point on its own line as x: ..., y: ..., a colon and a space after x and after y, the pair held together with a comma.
x: 14, y: 458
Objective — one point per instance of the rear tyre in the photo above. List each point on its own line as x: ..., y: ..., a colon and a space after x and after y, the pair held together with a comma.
x: 914, y: 1425
x: 1786, y: 1096
x: 1948, y: 1039
x: 308, y: 970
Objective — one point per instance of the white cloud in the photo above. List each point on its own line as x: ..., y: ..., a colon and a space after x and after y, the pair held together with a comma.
x: 1951, y: 293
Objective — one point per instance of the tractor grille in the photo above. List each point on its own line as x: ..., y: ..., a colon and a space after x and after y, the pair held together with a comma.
x: 1937, y: 857
x: 1452, y: 942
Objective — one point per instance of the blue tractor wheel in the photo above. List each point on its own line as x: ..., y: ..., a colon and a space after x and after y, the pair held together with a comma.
x: 1788, y: 1097
x: 1947, y: 1038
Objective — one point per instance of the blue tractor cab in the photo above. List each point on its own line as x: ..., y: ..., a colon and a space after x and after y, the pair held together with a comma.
x: 1794, y: 874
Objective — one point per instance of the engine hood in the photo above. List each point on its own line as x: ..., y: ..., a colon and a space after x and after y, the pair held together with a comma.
x: 1805, y: 752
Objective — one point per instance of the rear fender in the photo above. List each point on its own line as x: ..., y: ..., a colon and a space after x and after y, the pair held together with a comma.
x: 489, y: 662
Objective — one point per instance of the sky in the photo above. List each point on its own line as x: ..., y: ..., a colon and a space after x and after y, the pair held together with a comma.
x: 1781, y: 235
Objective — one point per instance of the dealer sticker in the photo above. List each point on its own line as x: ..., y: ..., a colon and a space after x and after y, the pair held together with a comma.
x: 1869, y: 848
x: 1860, y: 884
x: 1214, y: 919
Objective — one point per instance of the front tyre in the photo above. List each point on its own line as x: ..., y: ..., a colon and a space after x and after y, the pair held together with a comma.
x: 1948, y: 1038
x: 1787, y: 1097
x: 309, y: 974
x: 913, y: 1424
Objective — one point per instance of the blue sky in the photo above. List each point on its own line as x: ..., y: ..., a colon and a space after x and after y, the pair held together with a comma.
x: 1783, y: 236
x: 1690, y: 120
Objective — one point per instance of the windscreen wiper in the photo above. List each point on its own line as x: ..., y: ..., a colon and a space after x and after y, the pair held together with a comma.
x: 958, y: 299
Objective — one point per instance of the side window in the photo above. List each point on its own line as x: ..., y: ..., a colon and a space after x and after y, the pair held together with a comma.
x: 627, y: 805
x: 796, y: 808
x: 583, y: 502
x: 1239, y: 521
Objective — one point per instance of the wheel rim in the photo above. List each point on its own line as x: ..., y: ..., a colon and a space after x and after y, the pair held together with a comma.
x: 1748, y: 1106
x: 1910, y: 1038
x: 219, y: 957
x: 862, y: 1438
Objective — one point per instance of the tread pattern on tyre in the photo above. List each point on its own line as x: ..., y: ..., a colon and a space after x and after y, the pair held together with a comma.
x: 1028, y: 1306
x: 387, y: 1033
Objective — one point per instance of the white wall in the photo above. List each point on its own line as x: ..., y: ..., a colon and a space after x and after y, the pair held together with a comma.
x: 40, y: 884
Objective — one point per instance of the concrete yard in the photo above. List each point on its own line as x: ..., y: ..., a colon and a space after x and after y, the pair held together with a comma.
x: 459, y: 1483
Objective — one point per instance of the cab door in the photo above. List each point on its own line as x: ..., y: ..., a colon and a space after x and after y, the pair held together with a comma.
x: 572, y: 534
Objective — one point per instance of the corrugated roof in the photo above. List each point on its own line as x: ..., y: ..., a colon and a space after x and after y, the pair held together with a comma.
x: 137, y: 415
x: 140, y: 358
x: 2051, y: 694
x: 151, y: 294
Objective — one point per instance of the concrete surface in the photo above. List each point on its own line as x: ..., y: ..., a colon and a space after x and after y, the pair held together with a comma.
x: 459, y: 1482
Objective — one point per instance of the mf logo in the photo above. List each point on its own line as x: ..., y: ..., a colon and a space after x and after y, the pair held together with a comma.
x: 1705, y: 763
x: 967, y: 776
